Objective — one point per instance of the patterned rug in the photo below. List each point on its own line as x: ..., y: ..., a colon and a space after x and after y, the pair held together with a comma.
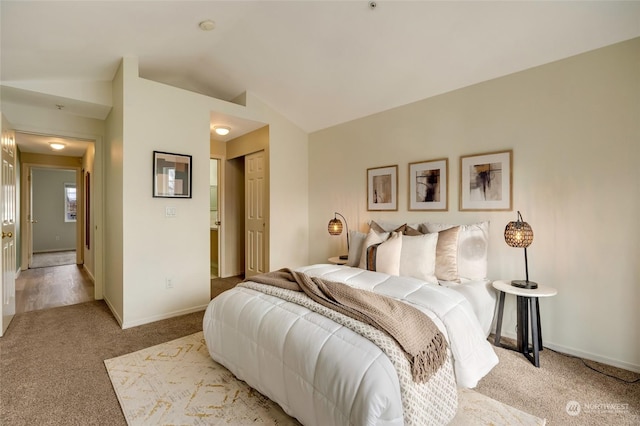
x: 178, y: 383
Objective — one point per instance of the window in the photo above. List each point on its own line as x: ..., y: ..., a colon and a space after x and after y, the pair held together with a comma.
x: 70, y: 202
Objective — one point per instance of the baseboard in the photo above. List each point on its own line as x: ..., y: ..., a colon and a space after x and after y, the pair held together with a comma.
x: 585, y: 355
x: 93, y: 280
x: 160, y: 317
x: 18, y: 272
x: 113, y: 311
x: 54, y: 250
x: 593, y: 357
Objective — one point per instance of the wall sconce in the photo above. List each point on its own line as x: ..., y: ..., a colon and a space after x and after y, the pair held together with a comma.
x: 520, y: 234
x: 335, y: 228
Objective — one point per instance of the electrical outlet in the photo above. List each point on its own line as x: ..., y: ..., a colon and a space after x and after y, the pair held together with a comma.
x: 169, y: 283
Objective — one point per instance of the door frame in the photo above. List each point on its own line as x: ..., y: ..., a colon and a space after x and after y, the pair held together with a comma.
x: 26, y: 196
x: 221, y: 216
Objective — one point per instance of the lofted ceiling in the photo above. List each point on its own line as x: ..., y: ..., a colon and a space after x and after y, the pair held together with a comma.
x: 319, y: 63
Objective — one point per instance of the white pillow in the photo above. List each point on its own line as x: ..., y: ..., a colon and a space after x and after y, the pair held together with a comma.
x: 355, y: 243
x: 418, y: 257
x: 385, y: 256
x: 372, y: 238
x: 473, y: 247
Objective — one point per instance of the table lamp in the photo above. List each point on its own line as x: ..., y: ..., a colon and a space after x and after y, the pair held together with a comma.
x: 520, y: 234
x: 335, y: 228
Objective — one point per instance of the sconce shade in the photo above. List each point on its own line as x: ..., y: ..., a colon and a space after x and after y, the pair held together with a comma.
x: 335, y: 226
x: 518, y: 234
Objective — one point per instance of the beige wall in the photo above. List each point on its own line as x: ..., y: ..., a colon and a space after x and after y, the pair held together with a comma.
x: 147, y: 248
x: 574, y: 128
x: 113, y: 203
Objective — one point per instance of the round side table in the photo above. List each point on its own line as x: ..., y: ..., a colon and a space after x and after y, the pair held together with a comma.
x: 337, y: 261
x: 528, y: 308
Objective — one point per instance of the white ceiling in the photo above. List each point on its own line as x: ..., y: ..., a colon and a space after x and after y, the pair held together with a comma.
x: 319, y: 63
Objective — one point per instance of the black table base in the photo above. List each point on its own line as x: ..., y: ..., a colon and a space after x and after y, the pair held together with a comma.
x: 528, y: 311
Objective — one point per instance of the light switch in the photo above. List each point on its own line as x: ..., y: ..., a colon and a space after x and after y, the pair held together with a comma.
x: 171, y: 212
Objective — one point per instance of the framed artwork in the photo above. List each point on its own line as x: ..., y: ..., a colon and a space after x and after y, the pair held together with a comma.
x: 171, y: 175
x: 382, y: 188
x: 485, y: 181
x: 428, y: 185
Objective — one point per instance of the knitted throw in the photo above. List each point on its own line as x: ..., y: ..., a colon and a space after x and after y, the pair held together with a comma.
x: 424, y: 345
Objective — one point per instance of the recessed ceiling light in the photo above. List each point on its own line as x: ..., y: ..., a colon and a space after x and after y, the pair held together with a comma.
x: 207, y: 25
x: 222, y: 130
x: 57, y: 146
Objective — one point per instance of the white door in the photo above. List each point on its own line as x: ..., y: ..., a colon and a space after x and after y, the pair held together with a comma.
x: 8, y: 203
x: 255, y: 221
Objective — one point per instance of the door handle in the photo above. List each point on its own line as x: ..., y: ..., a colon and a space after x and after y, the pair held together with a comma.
x: 34, y: 221
x: 218, y: 223
x: 7, y: 234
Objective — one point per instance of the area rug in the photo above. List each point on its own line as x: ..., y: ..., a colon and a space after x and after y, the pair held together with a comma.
x: 177, y: 383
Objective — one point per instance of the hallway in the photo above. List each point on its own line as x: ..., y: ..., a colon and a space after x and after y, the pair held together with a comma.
x: 50, y: 287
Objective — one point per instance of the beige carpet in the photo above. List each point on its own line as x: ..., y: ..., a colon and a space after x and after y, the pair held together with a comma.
x: 178, y: 383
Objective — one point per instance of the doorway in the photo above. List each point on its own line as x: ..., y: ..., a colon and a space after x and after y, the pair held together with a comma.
x: 54, y: 217
x: 214, y: 217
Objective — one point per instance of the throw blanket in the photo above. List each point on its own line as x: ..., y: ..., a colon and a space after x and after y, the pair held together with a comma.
x: 424, y: 346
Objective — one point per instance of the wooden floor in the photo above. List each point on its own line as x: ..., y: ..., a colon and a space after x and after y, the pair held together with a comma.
x: 50, y: 287
x: 44, y: 288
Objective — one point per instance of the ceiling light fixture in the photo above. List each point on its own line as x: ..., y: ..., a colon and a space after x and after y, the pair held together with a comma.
x: 57, y: 146
x: 207, y: 25
x: 222, y: 130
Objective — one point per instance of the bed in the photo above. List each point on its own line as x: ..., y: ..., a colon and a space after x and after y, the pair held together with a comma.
x: 327, y: 369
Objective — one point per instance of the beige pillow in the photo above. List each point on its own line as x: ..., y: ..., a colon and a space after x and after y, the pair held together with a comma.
x: 447, y: 255
x: 418, y: 257
x: 380, y: 229
x: 385, y: 256
x: 473, y: 248
x: 412, y: 232
x: 355, y: 247
x: 372, y: 238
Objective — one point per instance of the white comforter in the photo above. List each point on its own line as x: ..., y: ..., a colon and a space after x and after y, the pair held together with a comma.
x: 323, y: 373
